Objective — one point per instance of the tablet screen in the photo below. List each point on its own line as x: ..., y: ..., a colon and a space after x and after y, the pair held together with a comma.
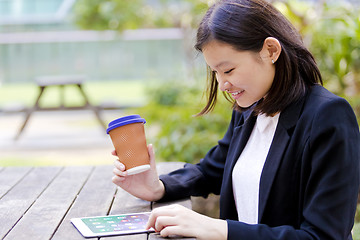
x: 112, y: 225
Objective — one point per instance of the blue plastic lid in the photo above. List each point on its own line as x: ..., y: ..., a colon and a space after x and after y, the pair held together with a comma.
x: 124, y: 121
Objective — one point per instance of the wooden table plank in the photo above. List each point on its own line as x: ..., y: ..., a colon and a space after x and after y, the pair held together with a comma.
x: 127, y: 203
x: 42, y: 219
x: 19, y: 199
x: 10, y: 176
x: 184, y: 202
x: 94, y: 199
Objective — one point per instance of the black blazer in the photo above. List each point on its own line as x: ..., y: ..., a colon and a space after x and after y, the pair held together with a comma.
x: 310, y: 180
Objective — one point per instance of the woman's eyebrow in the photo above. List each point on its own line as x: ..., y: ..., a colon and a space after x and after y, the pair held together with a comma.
x: 221, y: 64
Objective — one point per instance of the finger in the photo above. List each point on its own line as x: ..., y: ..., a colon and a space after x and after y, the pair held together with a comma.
x: 151, y: 155
x: 151, y: 222
x: 117, y: 180
x: 163, y: 222
x: 151, y: 150
x: 119, y: 165
x: 119, y: 173
x: 161, y: 211
x: 171, y: 231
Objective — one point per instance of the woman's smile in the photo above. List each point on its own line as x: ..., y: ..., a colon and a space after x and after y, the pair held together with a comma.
x: 236, y: 95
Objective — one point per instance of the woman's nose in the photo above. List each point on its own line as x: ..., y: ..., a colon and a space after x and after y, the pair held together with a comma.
x: 224, y: 85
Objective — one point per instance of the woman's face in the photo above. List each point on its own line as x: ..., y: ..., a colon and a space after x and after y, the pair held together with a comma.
x: 246, y: 75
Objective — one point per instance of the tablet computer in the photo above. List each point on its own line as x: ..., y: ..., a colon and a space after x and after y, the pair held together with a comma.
x: 122, y: 224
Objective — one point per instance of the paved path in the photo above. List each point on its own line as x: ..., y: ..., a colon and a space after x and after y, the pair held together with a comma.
x: 56, y: 138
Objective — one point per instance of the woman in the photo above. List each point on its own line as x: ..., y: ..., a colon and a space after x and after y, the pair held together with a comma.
x: 288, y: 165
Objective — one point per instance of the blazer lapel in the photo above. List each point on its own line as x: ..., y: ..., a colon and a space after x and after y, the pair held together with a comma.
x: 241, y: 136
x: 242, y: 133
x: 288, y: 119
x: 278, y: 146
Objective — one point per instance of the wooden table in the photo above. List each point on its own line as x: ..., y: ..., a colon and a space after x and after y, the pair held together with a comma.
x: 38, y: 202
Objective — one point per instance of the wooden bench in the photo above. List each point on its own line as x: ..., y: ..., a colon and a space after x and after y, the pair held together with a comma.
x: 61, y: 82
x: 38, y: 203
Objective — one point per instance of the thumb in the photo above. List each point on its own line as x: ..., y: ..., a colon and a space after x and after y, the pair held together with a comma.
x: 151, y: 155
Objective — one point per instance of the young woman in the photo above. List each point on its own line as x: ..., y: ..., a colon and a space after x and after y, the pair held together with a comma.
x: 288, y: 165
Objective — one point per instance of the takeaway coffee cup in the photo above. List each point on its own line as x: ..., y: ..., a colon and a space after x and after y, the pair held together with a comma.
x: 128, y: 136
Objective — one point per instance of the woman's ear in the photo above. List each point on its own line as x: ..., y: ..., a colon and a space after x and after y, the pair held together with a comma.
x: 271, y: 49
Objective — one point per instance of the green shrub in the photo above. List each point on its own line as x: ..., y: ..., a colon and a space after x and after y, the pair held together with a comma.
x: 178, y: 134
x: 331, y: 30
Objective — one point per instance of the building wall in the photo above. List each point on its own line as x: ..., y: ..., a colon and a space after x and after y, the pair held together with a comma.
x: 135, y: 55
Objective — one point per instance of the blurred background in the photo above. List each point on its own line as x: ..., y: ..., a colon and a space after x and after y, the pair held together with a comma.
x: 135, y: 57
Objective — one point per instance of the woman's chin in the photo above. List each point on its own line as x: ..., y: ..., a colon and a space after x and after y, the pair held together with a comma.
x: 244, y: 105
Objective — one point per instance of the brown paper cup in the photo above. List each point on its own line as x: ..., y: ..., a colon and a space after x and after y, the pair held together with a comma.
x: 128, y: 137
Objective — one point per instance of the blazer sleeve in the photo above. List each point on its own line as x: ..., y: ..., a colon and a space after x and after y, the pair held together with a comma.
x: 331, y: 183
x: 203, y: 178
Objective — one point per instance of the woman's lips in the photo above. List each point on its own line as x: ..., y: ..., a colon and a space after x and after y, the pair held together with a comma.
x: 237, y: 94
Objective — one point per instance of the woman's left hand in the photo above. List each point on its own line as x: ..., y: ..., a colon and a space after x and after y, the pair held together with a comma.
x: 180, y: 221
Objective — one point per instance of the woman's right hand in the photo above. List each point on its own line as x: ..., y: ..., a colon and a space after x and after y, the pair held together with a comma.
x: 145, y: 185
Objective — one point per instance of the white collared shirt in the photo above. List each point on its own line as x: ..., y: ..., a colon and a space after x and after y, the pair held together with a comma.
x: 247, y: 170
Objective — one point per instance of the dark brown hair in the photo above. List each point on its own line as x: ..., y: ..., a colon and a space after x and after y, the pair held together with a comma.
x: 245, y: 24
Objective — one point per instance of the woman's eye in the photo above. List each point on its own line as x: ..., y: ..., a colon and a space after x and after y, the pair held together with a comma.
x: 229, y: 71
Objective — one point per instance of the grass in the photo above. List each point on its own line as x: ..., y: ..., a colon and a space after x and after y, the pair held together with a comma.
x: 108, y: 92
